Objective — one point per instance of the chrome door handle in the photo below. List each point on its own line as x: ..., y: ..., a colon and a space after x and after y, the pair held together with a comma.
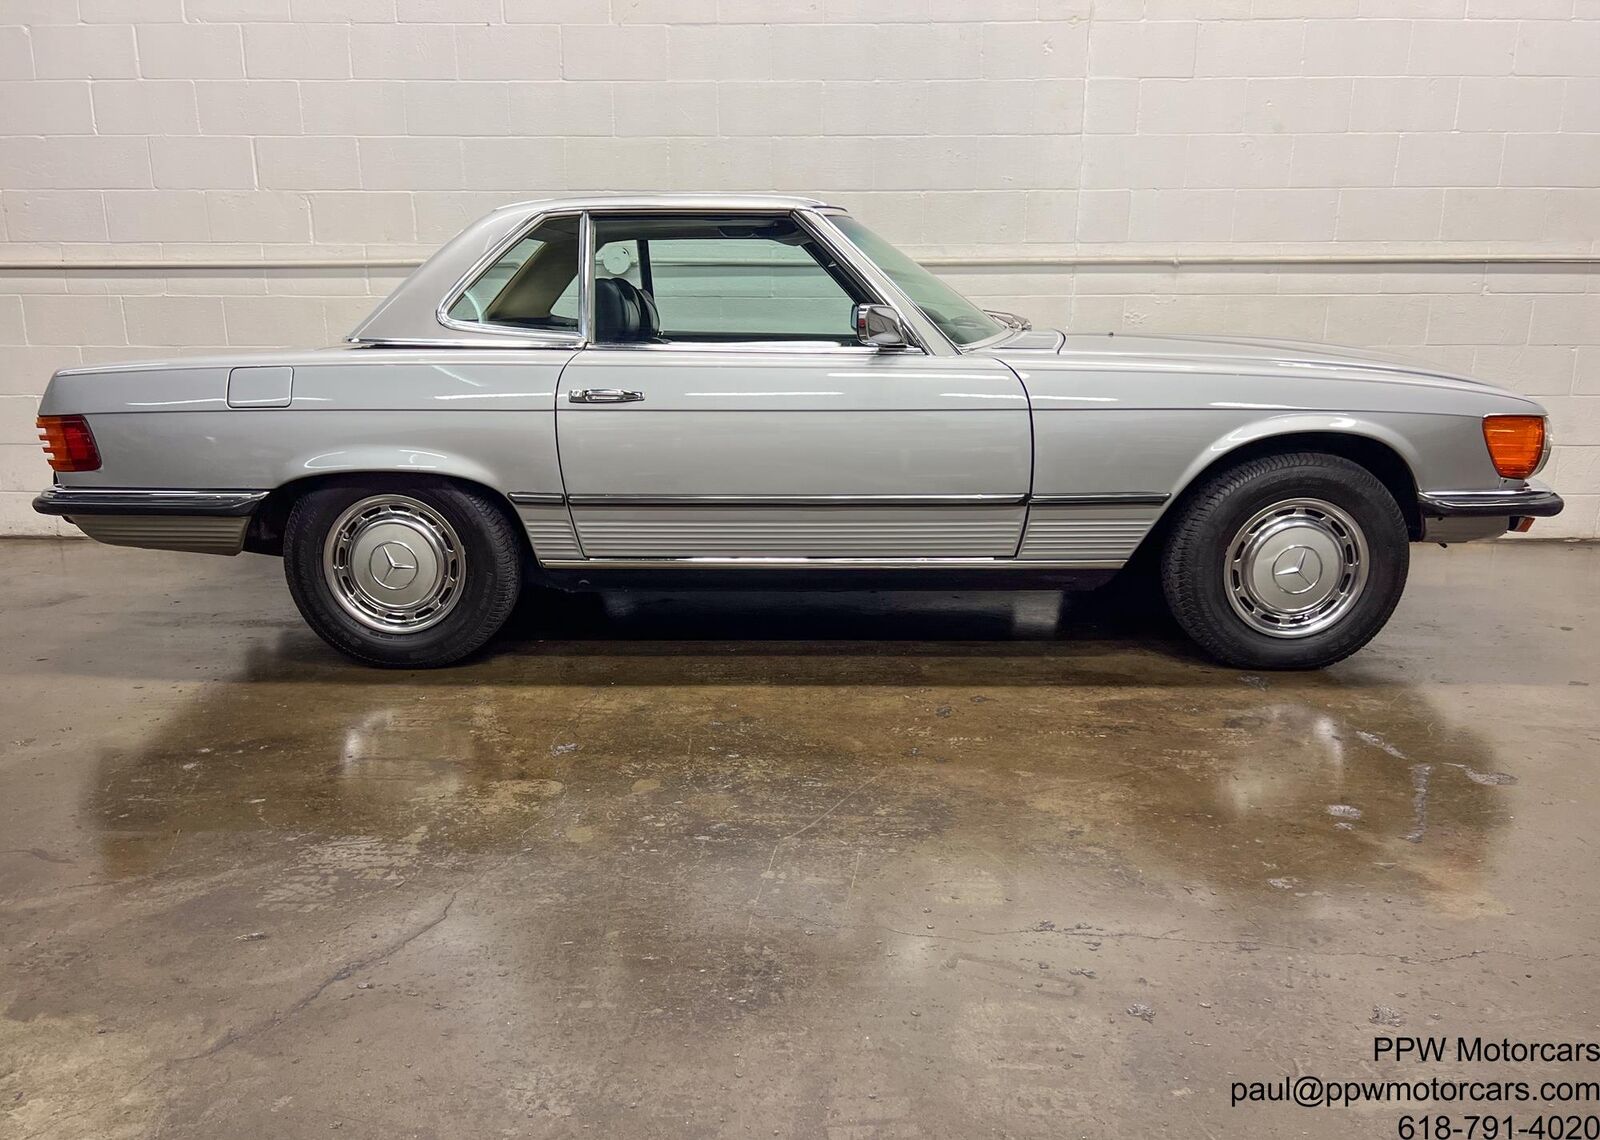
x: 603, y: 396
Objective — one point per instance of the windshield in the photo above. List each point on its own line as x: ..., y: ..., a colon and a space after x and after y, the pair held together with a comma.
x: 958, y: 318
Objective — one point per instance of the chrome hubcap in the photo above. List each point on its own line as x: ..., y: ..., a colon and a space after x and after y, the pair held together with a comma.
x: 394, y: 564
x: 1296, y: 568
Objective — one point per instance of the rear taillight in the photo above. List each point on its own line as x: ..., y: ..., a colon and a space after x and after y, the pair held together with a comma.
x: 1516, y: 444
x: 68, y: 443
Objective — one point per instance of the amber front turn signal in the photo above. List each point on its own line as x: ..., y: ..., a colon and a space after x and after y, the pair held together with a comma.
x: 1516, y: 444
x: 68, y: 443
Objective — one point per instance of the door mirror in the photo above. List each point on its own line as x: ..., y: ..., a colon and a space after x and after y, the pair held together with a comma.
x: 879, y: 327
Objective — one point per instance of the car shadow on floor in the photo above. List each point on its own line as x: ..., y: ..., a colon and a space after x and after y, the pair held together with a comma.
x: 636, y: 637
x: 840, y: 615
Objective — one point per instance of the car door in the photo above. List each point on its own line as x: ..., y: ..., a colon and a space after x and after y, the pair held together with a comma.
x: 726, y: 412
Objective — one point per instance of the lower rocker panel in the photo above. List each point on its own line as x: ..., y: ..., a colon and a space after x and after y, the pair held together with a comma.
x: 900, y: 564
x: 669, y: 575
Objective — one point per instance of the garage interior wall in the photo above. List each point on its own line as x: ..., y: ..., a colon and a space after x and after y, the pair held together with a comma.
x: 162, y: 160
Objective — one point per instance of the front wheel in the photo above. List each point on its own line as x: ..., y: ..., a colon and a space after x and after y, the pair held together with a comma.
x: 407, y: 575
x: 1286, y: 562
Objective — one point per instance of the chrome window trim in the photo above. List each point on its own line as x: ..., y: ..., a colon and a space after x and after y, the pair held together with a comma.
x: 529, y: 337
x: 509, y: 333
x: 801, y: 218
x: 928, y: 338
x: 441, y: 342
x: 408, y: 312
x: 586, y: 252
x: 931, y: 336
x: 1014, y: 326
x: 1000, y: 337
x: 709, y: 206
x: 873, y: 278
x: 793, y: 347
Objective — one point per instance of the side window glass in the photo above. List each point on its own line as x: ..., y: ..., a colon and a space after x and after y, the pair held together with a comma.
x: 711, y: 280
x: 621, y: 260
x: 532, y: 286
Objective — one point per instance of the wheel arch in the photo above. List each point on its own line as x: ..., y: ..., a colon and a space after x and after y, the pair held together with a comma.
x: 1379, y: 449
x: 264, y: 535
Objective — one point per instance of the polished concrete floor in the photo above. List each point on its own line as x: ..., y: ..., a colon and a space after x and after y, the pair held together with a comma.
x: 840, y: 865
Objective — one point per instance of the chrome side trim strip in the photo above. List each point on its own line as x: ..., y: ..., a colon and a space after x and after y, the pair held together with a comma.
x: 823, y: 564
x: 109, y: 501
x: 1108, y: 499
x: 794, y: 500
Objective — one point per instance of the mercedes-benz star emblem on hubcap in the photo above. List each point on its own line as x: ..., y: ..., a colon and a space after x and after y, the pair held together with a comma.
x: 1297, y: 570
x: 393, y: 565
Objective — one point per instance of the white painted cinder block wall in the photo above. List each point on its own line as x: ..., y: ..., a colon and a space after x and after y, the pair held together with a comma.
x: 232, y: 131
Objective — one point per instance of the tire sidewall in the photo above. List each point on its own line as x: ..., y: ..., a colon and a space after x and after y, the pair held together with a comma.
x: 1201, y: 561
x: 488, y: 589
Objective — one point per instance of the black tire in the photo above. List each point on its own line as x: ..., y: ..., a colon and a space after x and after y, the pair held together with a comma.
x: 1195, y: 560
x: 482, y: 599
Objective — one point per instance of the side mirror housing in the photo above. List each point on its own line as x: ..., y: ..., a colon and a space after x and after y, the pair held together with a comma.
x: 878, y: 326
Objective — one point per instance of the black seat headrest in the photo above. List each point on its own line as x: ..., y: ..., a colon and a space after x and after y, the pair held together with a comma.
x: 623, y: 312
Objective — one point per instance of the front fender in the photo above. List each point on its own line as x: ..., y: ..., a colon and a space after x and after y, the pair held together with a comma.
x: 1442, y: 452
x: 1304, y: 424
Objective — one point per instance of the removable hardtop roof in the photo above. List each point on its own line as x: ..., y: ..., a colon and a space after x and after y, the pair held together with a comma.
x: 409, y: 315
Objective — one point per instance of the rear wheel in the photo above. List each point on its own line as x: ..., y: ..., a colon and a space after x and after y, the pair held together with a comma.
x: 405, y: 575
x: 1286, y: 562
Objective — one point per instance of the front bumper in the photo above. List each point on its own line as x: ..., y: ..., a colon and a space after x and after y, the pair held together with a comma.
x: 1534, y: 501
x: 202, y: 522
x: 1461, y: 516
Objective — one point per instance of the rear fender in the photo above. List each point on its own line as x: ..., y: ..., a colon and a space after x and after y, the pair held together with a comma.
x: 392, y: 459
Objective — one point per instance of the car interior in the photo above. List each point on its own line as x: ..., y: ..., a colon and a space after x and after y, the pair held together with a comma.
x: 720, y: 279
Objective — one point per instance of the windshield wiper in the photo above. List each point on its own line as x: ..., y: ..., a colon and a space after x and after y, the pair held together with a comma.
x: 1021, y: 324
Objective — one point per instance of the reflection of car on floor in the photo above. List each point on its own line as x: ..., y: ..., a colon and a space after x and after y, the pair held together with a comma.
x: 586, y: 390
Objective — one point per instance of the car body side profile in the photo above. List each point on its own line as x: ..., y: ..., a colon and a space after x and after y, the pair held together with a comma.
x: 719, y: 389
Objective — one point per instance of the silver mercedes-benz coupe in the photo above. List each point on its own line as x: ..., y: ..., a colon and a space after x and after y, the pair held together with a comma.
x: 718, y: 389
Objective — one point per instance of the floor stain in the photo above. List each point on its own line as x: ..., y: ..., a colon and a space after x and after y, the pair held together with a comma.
x: 716, y: 865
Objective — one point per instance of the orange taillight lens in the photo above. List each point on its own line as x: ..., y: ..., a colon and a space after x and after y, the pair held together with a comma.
x: 1516, y: 444
x: 68, y: 443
